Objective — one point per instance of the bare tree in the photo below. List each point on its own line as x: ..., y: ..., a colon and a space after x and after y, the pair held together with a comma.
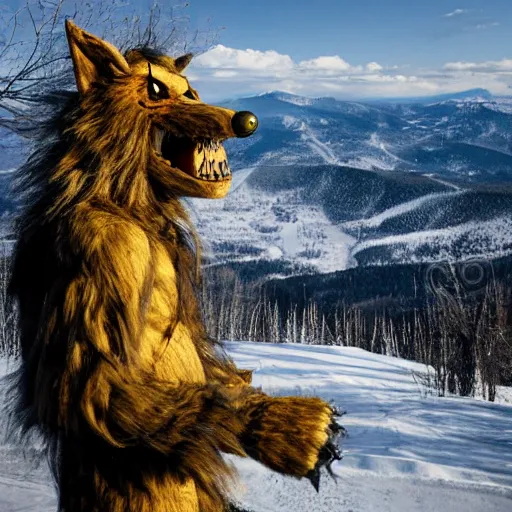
x: 34, y: 58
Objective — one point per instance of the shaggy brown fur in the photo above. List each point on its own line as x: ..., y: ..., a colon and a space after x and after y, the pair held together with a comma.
x: 135, y: 402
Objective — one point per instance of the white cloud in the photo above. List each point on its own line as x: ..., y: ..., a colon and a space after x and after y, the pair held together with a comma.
x: 224, y: 73
x: 500, y: 66
x: 485, y: 26
x: 374, y: 67
x: 332, y: 63
x: 456, y: 12
x: 223, y: 57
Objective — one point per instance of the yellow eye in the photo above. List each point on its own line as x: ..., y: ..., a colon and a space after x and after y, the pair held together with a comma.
x: 156, y: 89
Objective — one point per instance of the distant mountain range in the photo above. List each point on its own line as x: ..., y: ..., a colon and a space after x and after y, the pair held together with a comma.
x: 468, y: 139
x: 327, y: 185
x: 471, y: 94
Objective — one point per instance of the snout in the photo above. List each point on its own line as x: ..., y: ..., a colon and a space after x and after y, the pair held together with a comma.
x: 244, y: 123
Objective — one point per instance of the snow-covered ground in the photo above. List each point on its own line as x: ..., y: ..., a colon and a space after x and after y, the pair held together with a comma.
x: 407, y: 450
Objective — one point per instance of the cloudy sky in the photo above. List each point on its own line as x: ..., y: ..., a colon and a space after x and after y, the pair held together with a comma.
x: 354, y: 48
x: 344, y: 48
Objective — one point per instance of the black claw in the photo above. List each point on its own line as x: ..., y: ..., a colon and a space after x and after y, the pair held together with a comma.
x: 314, y: 477
x: 337, y: 430
x: 336, y: 411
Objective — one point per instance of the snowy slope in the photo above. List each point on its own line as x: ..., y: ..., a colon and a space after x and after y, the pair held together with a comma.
x: 407, y: 450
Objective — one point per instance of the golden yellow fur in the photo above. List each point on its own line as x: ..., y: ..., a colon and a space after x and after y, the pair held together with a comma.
x: 136, y: 403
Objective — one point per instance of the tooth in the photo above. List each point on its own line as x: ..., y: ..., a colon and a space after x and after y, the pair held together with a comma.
x: 158, y: 137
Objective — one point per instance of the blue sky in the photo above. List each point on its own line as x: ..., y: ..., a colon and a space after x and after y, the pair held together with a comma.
x: 356, y: 48
x: 350, y: 48
x: 418, y: 33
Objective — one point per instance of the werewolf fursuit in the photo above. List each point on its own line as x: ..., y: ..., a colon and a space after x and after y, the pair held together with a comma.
x: 135, y: 402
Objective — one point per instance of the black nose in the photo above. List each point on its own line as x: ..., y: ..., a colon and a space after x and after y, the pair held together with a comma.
x: 244, y: 123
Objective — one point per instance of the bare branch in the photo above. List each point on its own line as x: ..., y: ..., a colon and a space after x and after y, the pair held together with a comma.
x: 34, y: 57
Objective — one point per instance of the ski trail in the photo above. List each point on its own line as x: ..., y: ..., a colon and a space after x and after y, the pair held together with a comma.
x: 316, y: 145
x: 376, y: 143
x: 447, y: 183
x: 240, y: 176
x: 400, y: 209
x: 492, y: 233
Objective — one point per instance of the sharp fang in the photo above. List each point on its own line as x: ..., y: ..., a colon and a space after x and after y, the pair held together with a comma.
x: 158, y: 137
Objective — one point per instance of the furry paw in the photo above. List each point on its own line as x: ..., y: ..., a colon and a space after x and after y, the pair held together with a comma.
x: 293, y: 435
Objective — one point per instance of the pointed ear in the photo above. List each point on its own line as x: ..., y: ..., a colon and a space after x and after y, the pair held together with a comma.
x: 182, y: 62
x: 93, y: 58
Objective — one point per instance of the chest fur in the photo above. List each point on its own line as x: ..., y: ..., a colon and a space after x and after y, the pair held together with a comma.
x: 167, y: 347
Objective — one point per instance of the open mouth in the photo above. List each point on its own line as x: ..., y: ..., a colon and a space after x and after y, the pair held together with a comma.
x: 203, y: 159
